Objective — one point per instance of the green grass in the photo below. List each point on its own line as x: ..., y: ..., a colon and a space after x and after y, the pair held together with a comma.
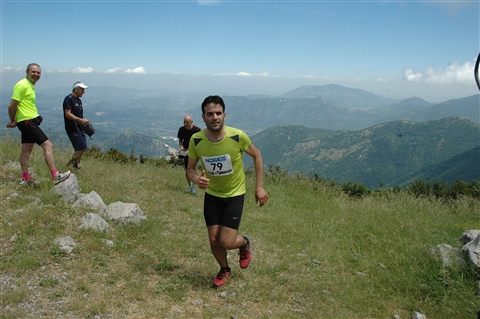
x: 317, y: 252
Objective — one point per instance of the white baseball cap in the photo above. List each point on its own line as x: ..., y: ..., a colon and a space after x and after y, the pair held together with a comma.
x: 80, y: 85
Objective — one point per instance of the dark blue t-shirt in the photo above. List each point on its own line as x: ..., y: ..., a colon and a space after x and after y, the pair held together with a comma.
x: 75, y: 105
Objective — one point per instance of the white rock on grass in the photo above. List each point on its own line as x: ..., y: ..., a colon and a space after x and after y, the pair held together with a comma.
x: 68, y: 189
x: 91, y: 200
x: 66, y: 244
x: 124, y: 213
x: 94, y: 222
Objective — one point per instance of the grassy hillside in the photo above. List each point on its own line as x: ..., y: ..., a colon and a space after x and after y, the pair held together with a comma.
x: 277, y: 140
x: 381, y: 154
x: 463, y: 167
x: 317, y: 253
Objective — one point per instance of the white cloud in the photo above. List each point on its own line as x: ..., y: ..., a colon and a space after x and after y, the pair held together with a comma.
x: 114, y: 70
x: 246, y: 74
x: 11, y: 69
x: 454, y: 73
x: 83, y: 70
x: 139, y: 70
x: 410, y: 76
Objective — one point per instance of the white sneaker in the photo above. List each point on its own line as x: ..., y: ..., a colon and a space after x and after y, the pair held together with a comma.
x: 194, y: 189
x: 60, y: 177
x: 28, y: 183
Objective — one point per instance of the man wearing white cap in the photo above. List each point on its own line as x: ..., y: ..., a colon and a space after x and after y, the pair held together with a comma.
x: 74, y: 122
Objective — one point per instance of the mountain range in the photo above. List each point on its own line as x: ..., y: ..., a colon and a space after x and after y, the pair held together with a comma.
x: 318, y: 112
x: 340, y: 95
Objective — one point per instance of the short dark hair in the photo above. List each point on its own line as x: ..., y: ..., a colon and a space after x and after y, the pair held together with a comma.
x: 215, y: 99
x: 28, y: 66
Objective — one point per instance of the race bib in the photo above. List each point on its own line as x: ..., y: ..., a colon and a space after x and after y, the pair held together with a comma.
x: 218, y: 165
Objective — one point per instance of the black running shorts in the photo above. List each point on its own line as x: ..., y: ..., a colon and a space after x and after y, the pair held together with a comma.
x: 223, y: 211
x: 31, y: 132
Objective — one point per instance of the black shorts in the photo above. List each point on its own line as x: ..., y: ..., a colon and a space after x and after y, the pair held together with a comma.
x: 31, y: 132
x: 223, y: 211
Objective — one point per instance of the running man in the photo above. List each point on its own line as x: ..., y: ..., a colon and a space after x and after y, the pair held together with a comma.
x: 220, y: 149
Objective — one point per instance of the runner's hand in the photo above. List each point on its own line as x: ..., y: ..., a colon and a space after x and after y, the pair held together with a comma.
x: 203, y: 181
x: 261, y: 196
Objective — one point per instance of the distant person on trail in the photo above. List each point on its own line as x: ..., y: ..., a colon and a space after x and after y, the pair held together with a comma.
x: 74, y: 123
x: 23, y: 114
x: 184, y: 134
x: 220, y: 149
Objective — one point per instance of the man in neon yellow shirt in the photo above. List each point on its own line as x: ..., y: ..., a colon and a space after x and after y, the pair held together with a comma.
x: 23, y: 114
x: 220, y: 150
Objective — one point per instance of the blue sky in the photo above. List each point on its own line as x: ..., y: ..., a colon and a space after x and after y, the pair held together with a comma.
x: 394, y: 49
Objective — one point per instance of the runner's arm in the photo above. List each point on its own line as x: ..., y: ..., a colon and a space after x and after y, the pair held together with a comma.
x: 12, y: 111
x: 260, y: 195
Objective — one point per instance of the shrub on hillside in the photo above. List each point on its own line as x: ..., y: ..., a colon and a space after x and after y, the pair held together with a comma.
x: 276, y: 173
x: 353, y: 189
x: 176, y: 161
x: 112, y: 154
x: 94, y: 151
x: 117, y: 156
x: 460, y: 188
x: 443, y: 190
x: 132, y: 156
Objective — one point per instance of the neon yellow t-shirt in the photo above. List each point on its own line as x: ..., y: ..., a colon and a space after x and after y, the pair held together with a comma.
x: 24, y: 93
x: 222, y: 161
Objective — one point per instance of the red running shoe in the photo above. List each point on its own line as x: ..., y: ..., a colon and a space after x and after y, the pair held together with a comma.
x: 245, y: 253
x: 221, y: 278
